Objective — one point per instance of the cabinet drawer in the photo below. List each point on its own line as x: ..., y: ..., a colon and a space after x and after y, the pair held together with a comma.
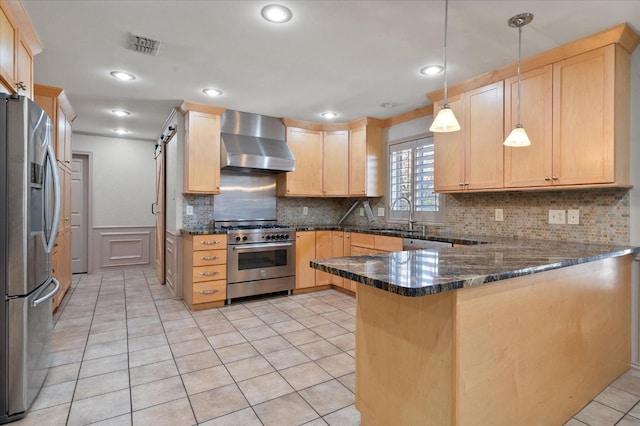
x: 209, y: 291
x: 363, y: 240
x: 209, y: 257
x: 385, y: 243
x: 209, y: 242
x: 362, y: 251
x: 208, y: 273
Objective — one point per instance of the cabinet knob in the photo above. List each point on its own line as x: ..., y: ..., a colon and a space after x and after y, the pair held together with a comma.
x: 555, y: 178
x: 66, y: 219
x: 21, y: 86
x: 547, y: 178
x: 461, y: 184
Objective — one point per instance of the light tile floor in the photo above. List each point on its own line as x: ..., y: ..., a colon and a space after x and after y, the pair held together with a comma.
x: 126, y: 353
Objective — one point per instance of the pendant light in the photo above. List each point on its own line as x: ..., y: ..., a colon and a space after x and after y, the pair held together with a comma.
x: 518, y: 137
x: 445, y: 120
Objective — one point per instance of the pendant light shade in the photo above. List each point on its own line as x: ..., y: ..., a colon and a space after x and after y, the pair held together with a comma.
x: 518, y: 137
x: 446, y: 120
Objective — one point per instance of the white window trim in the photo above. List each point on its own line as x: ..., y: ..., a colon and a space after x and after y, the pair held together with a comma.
x: 401, y: 217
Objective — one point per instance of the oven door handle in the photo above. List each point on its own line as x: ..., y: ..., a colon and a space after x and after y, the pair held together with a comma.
x: 250, y: 247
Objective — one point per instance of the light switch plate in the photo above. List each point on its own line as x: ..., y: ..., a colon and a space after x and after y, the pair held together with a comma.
x: 381, y: 211
x: 557, y: 217
x: 573, y: 217
x: 499, y: 215
x: 361, y: 211
x: 189, y: 210
x: 305, y: 211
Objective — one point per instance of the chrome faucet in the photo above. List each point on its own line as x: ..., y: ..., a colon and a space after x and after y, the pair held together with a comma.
x: 410, y: 222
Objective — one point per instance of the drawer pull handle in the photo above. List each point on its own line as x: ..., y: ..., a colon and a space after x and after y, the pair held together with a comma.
x: 208, y: 291
x: 209, y: 243
x: 209, y: 257
x: 209, y: 274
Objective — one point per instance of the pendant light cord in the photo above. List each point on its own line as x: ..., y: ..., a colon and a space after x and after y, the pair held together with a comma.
x: 446, y: 20
x: 518, y: 124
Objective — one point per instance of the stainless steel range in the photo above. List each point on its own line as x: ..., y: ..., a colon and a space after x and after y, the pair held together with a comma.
x: 261, y: 258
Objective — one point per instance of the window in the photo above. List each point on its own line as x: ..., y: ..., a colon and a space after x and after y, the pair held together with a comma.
x: 411, y: 177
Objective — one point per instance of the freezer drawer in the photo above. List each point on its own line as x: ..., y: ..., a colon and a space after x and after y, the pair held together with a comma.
x: 29, y: 334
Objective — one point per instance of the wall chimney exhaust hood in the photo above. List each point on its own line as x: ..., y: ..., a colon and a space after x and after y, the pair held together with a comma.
x: 252, y: 142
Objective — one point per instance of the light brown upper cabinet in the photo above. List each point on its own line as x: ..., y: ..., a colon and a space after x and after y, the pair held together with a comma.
x: 591, y: 118
x: 337, y: 160
x: 335, y: 167
x: 366, y: 159
x: 306, y: 180
x: 18, y: 44
x: 472, y: 158
x: 201, y: 148
x: 531, y: 165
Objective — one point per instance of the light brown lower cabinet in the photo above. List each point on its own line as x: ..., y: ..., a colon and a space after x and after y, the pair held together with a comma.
x: 204, y: 271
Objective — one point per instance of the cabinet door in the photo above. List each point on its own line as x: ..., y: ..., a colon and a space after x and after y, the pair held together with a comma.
x: 8, y: 34
x: 388, y: 244
x: 583, y: 118
x: 306, y: 146
x: 483, y: 121
x: 335, y: 169
x: 202, y: 153
x: 323, y: 250
x: 357, y: 161
x: 61, y: 137
x: 449, y: 152
x: 305, y: 252
x: 530, y: 165
x: 24, y: 71
x: 65, y: 189
x: 337, y: 250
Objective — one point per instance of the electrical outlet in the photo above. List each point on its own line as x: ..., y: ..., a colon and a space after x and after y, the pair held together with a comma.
x: 305, y: 211
x: 573, y: 217
x: 361, y: 211
x: 380, y: 211
x: 557, y: 217
x: 499, y: 215
x: 189, y: 210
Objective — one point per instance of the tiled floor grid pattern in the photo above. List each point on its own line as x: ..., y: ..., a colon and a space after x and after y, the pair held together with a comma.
x: 126, y: 353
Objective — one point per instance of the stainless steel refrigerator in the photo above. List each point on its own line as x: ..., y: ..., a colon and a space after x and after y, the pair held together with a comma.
x: 29, y: 216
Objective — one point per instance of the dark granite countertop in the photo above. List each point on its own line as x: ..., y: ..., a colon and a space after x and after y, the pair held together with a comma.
x: 424, y: 272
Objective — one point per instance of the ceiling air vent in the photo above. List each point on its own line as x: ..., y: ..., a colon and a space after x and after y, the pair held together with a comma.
x: 144, y: 45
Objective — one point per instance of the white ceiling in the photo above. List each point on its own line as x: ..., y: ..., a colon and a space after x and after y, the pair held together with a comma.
x: 347, y: 56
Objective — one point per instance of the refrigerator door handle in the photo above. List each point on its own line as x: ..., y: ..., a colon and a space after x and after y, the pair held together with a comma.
x: 51, y: 158
x: 49, y: 295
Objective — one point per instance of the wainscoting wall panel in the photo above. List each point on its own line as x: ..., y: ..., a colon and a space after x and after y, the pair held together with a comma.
x: 123, y: 247
x: 172, y: 266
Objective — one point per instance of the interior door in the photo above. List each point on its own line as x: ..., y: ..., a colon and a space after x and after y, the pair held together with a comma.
x: 159, y: 211
x: 79, y: 215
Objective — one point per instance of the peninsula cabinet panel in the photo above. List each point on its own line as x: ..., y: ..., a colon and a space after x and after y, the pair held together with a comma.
x: 337, y: 250
x: 307, y: 149
x: 335, y: 169
x: 530, y: 166
x: 202, y: 153
x: 586, y: 119
x: 305, y: 253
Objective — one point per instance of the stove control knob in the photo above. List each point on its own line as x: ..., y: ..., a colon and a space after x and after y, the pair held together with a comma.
x: 268, y: 237
x: 282, y: 236
x: 286, y: 236
x: 244, y: 238
x: 237, y: 238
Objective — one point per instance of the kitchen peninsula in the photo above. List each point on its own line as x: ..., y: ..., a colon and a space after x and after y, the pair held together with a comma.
x: 509, y: 332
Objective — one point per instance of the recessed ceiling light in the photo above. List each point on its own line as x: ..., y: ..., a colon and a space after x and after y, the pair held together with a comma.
x: 431, y: 69
x: 388, y: 105
x: 212, y: 92
x: 329, y: 114
x: 121, y: 131
x: 123, y: 75
x: 276, y: 13
x: 120, y: 112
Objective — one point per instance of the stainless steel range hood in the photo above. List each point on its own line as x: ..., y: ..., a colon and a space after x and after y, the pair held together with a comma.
x: 252, y: 142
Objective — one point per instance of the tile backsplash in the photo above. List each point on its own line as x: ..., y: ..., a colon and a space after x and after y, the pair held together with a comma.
x: 604, y: 214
